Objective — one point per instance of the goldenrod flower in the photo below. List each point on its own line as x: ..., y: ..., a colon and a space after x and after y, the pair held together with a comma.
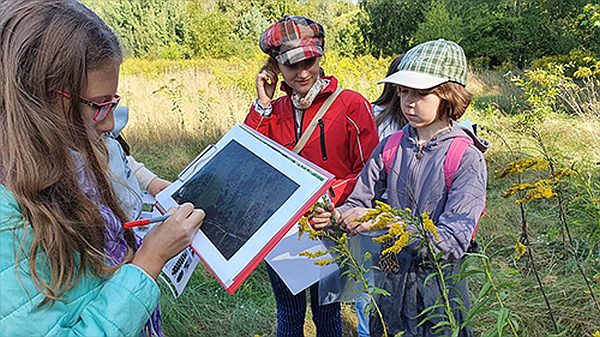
x: 561, y: 173
x: 520, y: 166
x: 537, y: 193
x: 370, y: 215
x: 400, y: 243
x: 520, y: 249
x: 382, y: 206
x: 303, y: 226
x: 383, y: 221
x: 429, y: 226
x: 312, y: 255
x: 383, y: 238
x: 397, y: 229
x: 323, y: 262
x: 514, y: 189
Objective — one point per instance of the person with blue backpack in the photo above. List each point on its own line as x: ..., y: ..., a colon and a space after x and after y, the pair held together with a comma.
x: 432, y: 165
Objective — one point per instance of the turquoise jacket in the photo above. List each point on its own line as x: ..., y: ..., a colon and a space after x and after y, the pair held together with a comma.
x: 117, y: 306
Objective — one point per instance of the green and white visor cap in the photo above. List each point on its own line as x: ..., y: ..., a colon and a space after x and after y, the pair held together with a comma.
x: 430, y: 64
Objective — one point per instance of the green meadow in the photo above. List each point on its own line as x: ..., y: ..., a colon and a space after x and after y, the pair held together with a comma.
x: 189, y: 77
x: 178, y: 107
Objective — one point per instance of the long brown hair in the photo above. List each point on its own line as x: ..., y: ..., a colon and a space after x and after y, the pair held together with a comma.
x: 389, y: 100
x: 47, y: 45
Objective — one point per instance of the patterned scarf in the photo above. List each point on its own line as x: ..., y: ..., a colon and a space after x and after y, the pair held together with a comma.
x: 303, y: 103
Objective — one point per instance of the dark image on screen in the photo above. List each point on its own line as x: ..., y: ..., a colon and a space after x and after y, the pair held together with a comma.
x: 238, y: 191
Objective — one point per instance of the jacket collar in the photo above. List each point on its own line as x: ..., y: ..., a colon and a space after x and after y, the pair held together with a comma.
x: 330, y: 88
x: 456, y: 131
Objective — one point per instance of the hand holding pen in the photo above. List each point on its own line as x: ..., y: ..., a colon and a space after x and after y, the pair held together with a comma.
x: 145, y: 222
x: 167, y: 239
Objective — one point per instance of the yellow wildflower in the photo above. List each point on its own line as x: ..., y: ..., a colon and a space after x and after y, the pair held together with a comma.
x: 382, y: 206
x: 383, y: 238
x: 312, y: 255
x: 382, y: 221
x: 520, y: 249
x: 561, y: 173
x: 520, y: 166
x: 303, y: 226
x: 429, y: 226
x: 514, y: 189
x: 323, y: 262
x: 370, y: 215
x: 396, y: 229
x: 537, y: 193
x: 596, y: 334
x: 400, y: 243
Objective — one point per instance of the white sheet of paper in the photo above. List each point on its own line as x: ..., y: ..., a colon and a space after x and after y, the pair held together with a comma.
x: 298, y: 272
x: 177, y: 271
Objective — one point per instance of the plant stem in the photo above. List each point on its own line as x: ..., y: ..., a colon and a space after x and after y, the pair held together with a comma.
x: 563, y: 218
x: 488, y: 274
x: 360, y: 275
x: 444, y: 289
x: 539, y: 281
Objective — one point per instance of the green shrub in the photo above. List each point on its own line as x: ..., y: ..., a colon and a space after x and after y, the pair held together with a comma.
x: 439, y: 23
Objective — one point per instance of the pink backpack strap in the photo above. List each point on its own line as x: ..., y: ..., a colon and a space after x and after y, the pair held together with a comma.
x: 452, y: 161
x: 453, y: 157
x: 390, y: 149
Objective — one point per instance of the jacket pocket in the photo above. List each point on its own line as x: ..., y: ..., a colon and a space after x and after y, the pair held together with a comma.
x: 322, y: 138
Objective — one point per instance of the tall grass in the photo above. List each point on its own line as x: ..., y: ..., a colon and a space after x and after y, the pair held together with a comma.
x: 178, y: 107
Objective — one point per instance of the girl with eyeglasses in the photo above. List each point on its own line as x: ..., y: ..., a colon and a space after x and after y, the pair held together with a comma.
x: 68, y: 267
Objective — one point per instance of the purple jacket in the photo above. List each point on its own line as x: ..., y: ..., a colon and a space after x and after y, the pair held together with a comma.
x: 416, y: 181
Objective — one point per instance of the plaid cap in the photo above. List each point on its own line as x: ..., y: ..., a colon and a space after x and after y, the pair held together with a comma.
x: 293, y: 39
x: 430, y: 64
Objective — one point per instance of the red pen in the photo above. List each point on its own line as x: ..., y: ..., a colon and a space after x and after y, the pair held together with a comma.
x: 144, y: 222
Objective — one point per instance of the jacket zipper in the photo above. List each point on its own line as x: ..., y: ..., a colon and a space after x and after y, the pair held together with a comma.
x: 420, y: 151
x: 322, y: 137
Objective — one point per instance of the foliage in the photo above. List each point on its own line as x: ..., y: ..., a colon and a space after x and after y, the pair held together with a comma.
x: 216, y: 94
x: 391, y: 24
x: 548, y: 89
x: 489, y: 300
x: 148, y: 28
x: 491, y: 32
x: 439, y: 22
x: 354, y: 267
x: 211, y: 34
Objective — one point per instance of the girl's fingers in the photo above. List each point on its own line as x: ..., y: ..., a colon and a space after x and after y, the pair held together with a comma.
x: 321, y: 225
x: 197, y: 217
x: 322, y: 218
x: 318, y: 210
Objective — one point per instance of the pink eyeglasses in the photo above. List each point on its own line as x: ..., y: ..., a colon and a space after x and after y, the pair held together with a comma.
x: 101, y: 109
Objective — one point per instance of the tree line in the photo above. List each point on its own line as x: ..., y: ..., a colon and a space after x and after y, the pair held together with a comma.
x: 492, y: 32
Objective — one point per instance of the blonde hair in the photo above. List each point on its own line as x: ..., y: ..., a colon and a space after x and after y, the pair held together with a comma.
x: 47, y: 45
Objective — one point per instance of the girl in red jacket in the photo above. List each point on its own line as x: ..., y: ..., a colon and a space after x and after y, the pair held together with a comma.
x: 341, y: 142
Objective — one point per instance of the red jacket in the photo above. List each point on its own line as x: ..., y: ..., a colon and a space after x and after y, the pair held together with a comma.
x: 341, y: 143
